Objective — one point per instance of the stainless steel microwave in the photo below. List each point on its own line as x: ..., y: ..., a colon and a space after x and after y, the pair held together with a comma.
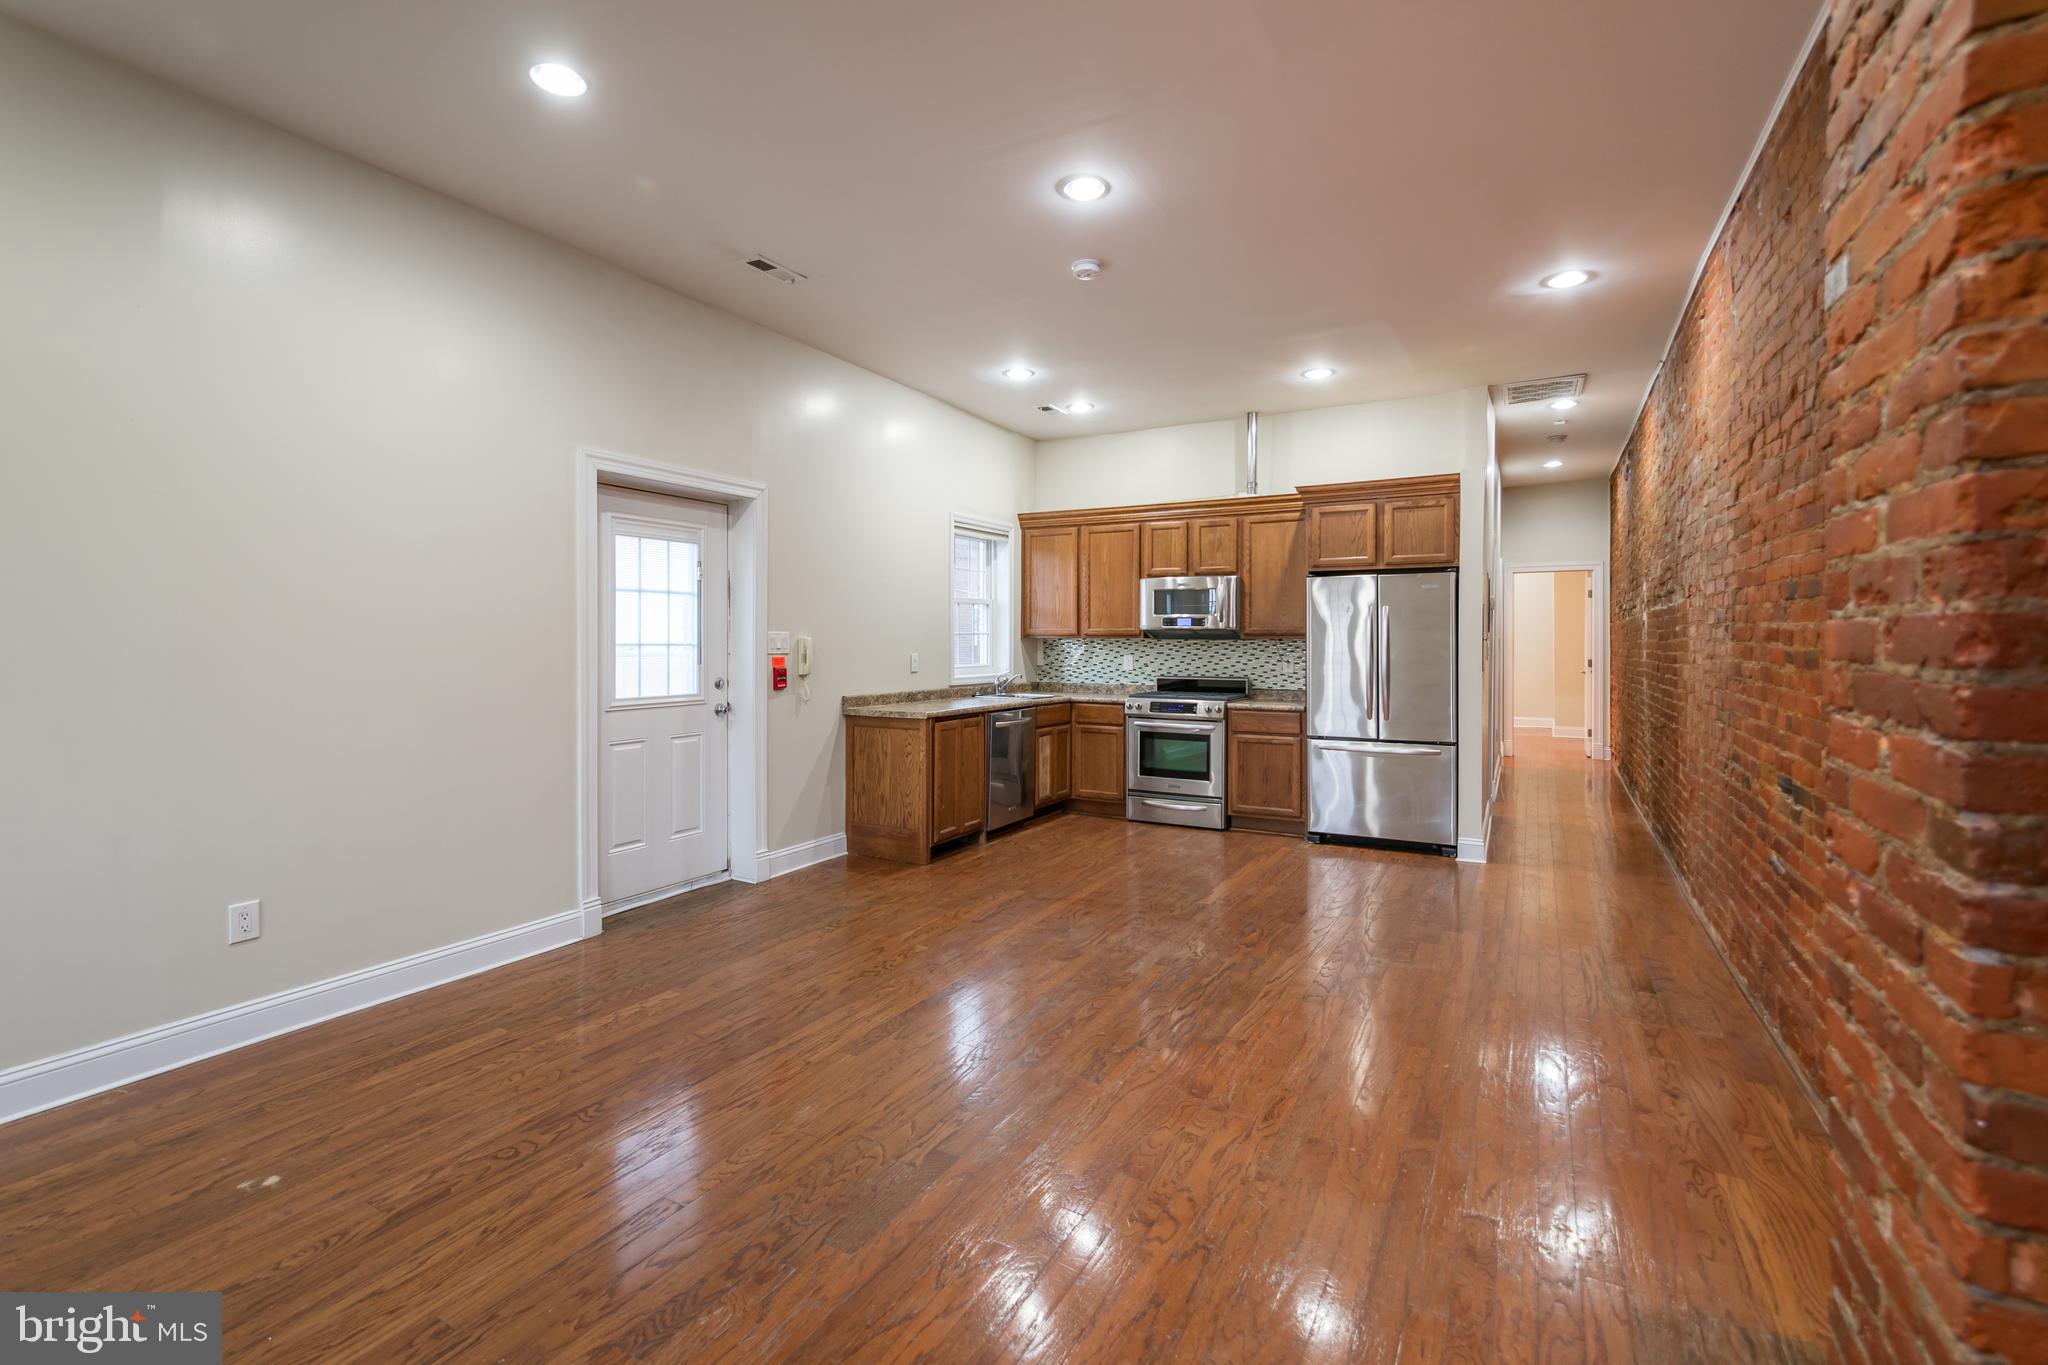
x: 1170, y: 608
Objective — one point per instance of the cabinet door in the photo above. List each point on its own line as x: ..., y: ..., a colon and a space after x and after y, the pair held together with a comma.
x: 1420, y: 530
x: 1109, y: 579
x: 1275, y: 587
x: 959, y: 777
x: 1098, y: 761
x: 1212, y: 545
x: 1166, y: 548
x: 1344, y: 535
x: 1052, y: 580
x: 1266, y: 773
x: 1055, y: 756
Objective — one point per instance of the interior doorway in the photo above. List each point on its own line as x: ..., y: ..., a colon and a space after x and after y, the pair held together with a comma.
x: 1555, y: 648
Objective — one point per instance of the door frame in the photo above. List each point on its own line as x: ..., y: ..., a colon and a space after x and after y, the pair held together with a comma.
x: 746, y: 504
x: 1596, y: 730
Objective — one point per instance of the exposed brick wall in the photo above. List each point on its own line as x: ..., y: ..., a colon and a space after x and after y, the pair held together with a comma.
x: 1717, y: 609
x: 1937, y: 675
x: 1853, y: 784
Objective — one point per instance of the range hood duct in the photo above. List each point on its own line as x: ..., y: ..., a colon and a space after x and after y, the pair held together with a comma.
x: 1251, y: 453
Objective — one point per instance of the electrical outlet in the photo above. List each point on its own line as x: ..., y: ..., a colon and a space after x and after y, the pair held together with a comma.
x: 913, y: 661
x: 1130, y: 663
x: 245, y: 921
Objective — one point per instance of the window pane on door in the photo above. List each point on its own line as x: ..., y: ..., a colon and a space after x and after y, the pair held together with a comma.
x: 656, y: 618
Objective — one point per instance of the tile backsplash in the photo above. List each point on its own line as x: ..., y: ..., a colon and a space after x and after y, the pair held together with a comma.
x: 1268, y: 663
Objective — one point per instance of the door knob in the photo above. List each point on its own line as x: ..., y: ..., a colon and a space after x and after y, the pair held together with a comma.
x: 723, y: 708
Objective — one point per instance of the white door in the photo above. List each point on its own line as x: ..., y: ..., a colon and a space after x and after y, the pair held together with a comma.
x: 1586, y: 682
x: 662, y: 776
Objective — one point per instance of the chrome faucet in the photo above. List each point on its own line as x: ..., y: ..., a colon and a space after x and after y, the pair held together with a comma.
x: 1003, y: 683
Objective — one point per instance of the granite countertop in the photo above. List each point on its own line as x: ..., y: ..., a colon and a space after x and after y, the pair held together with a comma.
x: 960, y: 701
x: 1273, y: 699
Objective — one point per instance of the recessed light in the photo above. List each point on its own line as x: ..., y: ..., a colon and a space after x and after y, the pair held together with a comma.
x: 1560, y: 422
x: 1565, y: 404
x: 1020, y: 373
x: 557, y: 79
x: 1553, y: 464
x: 1319, y: 372
x: 1083, y: 189
x: 1075, y: 409
x: 1566, y: 279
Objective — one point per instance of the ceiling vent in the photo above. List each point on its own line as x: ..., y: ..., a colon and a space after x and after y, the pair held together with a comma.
x: 775, y: 269
x: 1545, y: 390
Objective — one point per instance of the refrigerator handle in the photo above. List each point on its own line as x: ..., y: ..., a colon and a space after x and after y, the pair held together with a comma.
x: 1372, y: 688
x: 1382, y: 655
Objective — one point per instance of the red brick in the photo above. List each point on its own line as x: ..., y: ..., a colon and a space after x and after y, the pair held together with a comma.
x: 1968, y: 640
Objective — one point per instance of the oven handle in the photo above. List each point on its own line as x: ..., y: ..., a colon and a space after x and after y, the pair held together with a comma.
x: 1199, y: 727
x: 1173, y: 805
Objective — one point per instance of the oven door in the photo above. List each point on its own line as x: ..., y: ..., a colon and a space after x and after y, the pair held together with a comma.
x: 1174, y: 757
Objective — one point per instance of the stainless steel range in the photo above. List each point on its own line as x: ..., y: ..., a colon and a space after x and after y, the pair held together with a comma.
x: 1173, y: 751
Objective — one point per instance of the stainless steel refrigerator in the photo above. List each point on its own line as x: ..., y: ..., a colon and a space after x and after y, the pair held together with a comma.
x: 1383, y: 707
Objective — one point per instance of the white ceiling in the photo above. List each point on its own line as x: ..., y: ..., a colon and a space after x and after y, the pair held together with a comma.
x: 1371, y: 185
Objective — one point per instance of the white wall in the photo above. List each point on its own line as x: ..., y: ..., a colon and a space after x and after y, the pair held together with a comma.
x: 1448, y: 433
x: 1554, y: 523
x: 286, y: 524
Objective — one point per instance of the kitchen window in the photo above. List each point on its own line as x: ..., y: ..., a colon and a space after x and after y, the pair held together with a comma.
x: 981, y: 600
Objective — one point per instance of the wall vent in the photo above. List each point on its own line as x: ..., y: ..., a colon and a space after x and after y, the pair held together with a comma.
x: 1545, y: 390
x: 775, y: 269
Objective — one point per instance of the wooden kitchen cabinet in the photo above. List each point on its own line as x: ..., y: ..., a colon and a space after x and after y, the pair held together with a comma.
x: 1266, y: 787
x: 1165, y: 548
x: 1419, y: 531
x: 1052, y: 580
x: 1098, y: 755
x: 1055, y: 764
x: 1213, y: 545
x: 1110, y: 558
x: 959, y: 777
x: 1343, y: 535
x: 1274, y: 590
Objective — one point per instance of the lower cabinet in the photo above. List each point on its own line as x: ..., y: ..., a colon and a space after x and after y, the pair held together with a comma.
x: 1098, y: 757
x: 1055, y: 762
x: 914, y: 783
x: 1266, y: 785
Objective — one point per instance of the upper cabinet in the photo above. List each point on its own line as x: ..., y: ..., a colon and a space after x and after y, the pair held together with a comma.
x: 1419, y: 530
x: 1082, y: 568
x: 1213, y: 545
x: 1109, y: 578
x: 1166, y: 549
x: 1344, y: 535
x: 1052, y: 580
x: 1273, y: 594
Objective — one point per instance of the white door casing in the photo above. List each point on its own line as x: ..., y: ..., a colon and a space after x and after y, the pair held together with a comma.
x: 665, y: 686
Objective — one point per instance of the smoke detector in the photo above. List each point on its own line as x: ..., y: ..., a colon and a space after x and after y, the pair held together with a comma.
x: 1086, y: 269
x: 775, y: 270
x: 1543, y: 390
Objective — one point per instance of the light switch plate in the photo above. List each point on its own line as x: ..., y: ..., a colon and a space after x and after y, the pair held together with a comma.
x: 778, y: 642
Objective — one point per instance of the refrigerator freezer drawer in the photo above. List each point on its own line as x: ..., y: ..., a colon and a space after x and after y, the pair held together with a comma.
x: 1366, y: 789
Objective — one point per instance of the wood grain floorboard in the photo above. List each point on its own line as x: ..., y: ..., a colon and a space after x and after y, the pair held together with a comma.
x: 1089, y: 1091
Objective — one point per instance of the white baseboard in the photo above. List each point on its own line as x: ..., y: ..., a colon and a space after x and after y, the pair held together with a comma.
x: 1567, y: 732
x: 1471, y: 850
x: 35, y: 1086
x: 1603, y: 753
x: 782, y: 861
x: 1535, y: 722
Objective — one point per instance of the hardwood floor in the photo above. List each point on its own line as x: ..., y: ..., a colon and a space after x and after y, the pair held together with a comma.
x: 1093, y: 1091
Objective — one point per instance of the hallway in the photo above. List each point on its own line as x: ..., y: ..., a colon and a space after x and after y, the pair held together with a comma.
x: 1091, y: 1091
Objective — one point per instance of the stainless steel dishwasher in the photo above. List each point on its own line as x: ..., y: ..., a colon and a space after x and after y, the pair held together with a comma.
x: 1012, y: 766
